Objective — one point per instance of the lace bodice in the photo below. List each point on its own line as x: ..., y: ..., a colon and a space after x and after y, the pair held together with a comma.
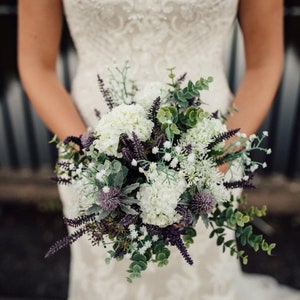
x: 154, y: 35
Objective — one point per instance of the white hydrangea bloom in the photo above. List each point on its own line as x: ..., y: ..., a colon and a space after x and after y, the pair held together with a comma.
x: 159, y: 199
x: 202, y: 134
x: 86, y: 194
x: 122, y: 119
x: 149, y: 93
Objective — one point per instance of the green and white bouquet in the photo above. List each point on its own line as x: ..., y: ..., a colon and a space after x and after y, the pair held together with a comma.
x: 148, y: 172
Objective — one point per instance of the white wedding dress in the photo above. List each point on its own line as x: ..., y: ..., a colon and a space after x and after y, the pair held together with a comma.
x: 155, y: 35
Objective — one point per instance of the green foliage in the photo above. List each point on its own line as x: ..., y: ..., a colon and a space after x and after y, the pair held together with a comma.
x: 168, y: 117
x: 226, y: 216
x: 188, y: 237
x: 159, y: 253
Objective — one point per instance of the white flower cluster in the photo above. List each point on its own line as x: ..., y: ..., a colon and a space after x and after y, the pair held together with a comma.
x: 86, y: 191
x: 203, y: 133
x: 122, y: 119
x: 149, y: 93
x: 203, y: 173
x: 159, y: 198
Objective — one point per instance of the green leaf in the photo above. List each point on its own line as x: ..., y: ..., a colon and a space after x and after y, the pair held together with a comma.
x: 158, y: 247
x: 245, y: 260
x: 191, y: 232
x: 139, y: 257
x: 131, y: 187
x: 163, y: 263
x: 270, y: 248
x: 219, y: 230
x: 220, y: 240
x: 161, y: 256
x: 143, y: 265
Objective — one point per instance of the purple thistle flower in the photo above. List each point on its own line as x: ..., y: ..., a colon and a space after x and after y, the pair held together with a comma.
x: 87, y: 140
x: 202, y: 203
x: 110, y: 200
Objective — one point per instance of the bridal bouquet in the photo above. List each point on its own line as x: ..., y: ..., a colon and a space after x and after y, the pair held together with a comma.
x: 149, y: 171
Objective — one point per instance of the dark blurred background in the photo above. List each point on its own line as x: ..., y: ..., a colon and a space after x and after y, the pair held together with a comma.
x: 30, y: 210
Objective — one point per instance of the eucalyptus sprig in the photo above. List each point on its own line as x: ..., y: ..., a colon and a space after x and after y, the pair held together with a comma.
x: 227, y: 216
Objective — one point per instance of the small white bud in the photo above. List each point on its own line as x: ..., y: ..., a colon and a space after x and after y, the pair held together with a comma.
x: 167, y: 157
x: 155, y: 150
x: 134, y: 163
x: 106, y: 189
x: 167, y: 144
x: 174, y: 162
x: 178, y: 149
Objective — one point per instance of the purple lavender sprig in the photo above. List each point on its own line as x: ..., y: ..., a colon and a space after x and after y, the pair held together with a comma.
x: 76, y: 222
x: 244, y: 184
x: 66, y: 241
x: 173, y: 236
x: 222, y: 137
x: 64, y: 165
x: 60, y: 180
x: 187, y: 216
x: 127, y: 220
x: 160, y: 141
x: 138, y: 148
x: 154, y: 110
x: 87, y: 140
x: 181, y: 79
x: 128, y: 155
x: 105, y: 93
x: 76, y: 140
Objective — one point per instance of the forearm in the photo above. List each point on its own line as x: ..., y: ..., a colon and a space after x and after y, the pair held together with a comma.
x: 262, y: 27
x: 52, y: 103
x: 254, y: 97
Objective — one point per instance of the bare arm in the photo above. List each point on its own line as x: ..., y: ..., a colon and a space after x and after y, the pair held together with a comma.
x: 39, y: 32
x: 262, y: 26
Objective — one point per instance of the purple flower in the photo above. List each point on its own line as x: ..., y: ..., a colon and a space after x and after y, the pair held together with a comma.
x: 110, y: 199
x: 202, y: 203
x: 86, y: 139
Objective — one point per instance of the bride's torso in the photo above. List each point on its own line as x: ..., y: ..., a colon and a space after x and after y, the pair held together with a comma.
x: 154, y: 35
